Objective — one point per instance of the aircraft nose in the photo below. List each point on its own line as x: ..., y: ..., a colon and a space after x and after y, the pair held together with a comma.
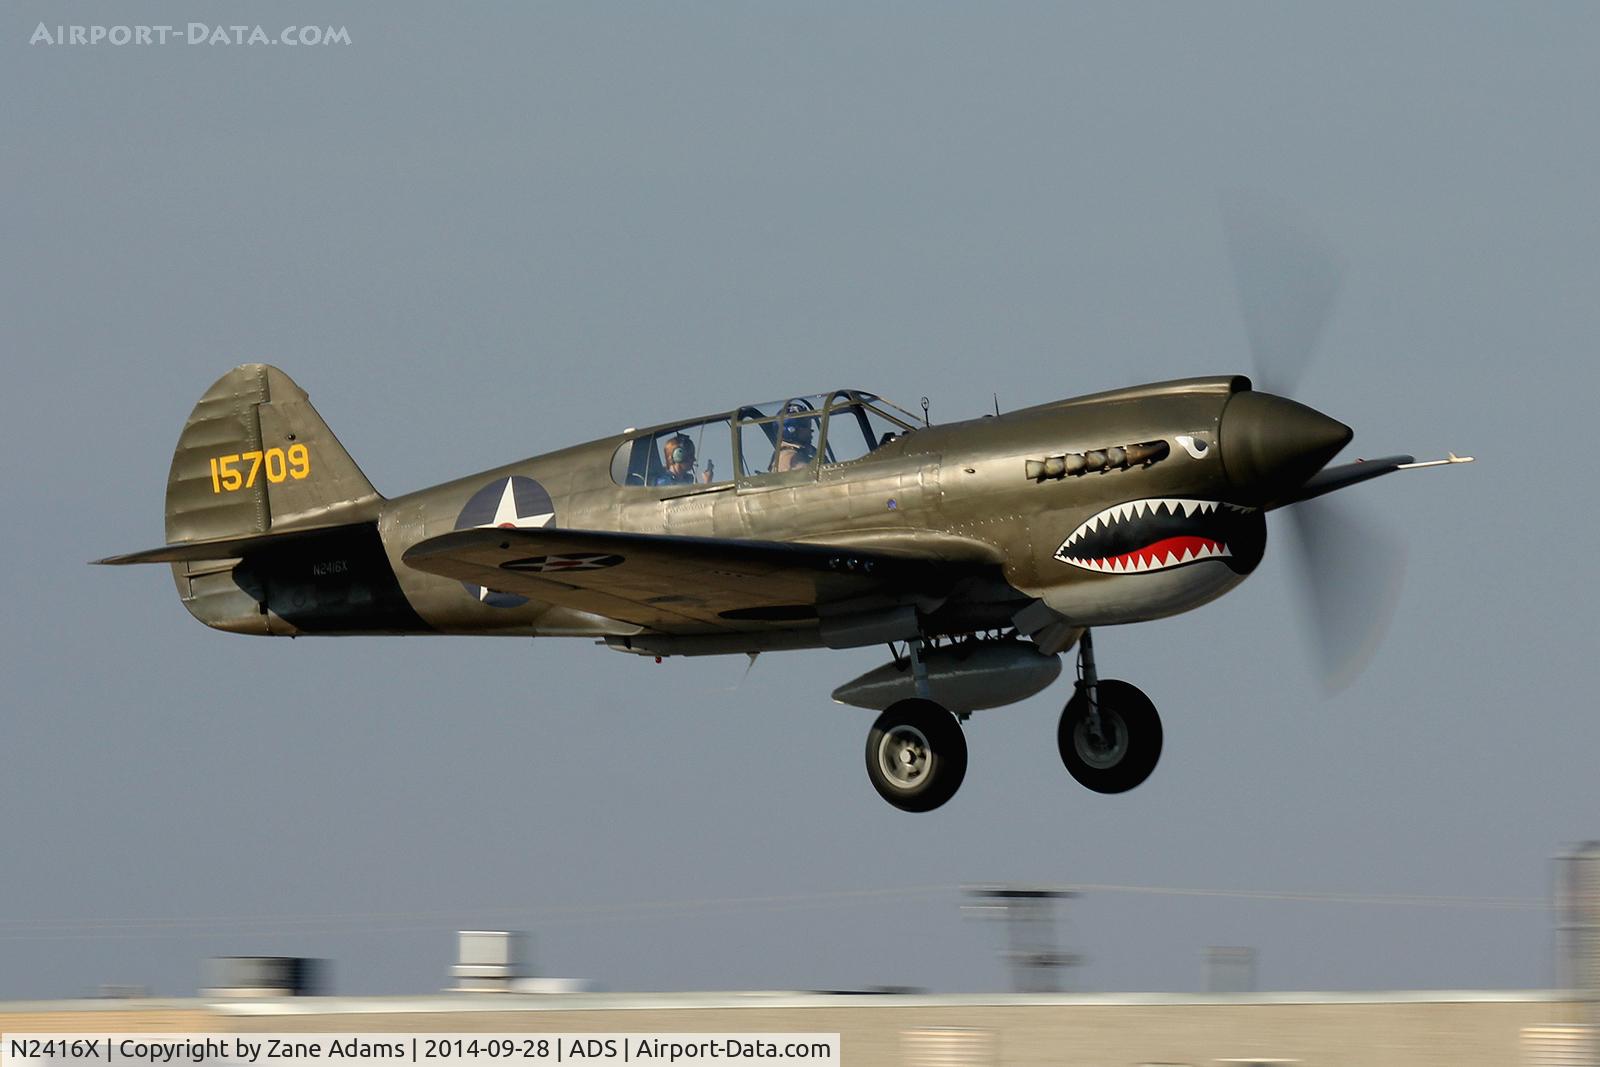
x: 1270, y: 445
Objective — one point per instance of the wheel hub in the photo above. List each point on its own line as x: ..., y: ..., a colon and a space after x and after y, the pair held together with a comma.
x: 904, y: 756
x: 1103, y: 748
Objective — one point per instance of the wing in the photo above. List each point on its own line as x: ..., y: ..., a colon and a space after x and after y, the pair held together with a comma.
x: 688, y: 584
x: 1331, y: 478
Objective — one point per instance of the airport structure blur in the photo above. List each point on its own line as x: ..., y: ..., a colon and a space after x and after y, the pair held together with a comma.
x: 1029, y: 914
x: 1578, y: 916
x: 493, y: 988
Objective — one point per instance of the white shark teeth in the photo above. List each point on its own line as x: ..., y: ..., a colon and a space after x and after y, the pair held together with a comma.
x: 1132, y: 510
x: 1135, y: 509
x: 1139, y: 563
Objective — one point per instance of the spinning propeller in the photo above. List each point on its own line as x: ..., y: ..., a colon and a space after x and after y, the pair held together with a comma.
x: 1350, y: 567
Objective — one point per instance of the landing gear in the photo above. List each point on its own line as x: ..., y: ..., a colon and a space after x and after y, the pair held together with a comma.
x: 916, y: 755
x: 1110, y: 734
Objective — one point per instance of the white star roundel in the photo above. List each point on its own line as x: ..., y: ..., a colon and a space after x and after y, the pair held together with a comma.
x: 514, y: 503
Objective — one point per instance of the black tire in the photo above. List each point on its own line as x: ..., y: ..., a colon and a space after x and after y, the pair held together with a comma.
x: 1133, y: 732
x: 916, y: 755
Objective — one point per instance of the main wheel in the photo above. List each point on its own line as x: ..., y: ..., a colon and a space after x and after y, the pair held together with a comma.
x: 916, y: 755
x: 1129, y: 743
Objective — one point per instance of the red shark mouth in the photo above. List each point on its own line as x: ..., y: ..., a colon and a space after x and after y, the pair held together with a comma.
x: 1158, y: 534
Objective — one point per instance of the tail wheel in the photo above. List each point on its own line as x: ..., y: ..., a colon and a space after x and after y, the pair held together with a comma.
x: 916, y: 755
x: 1127, y: 746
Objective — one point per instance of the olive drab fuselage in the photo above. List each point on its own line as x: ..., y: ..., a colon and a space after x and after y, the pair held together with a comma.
x: 959, y: 490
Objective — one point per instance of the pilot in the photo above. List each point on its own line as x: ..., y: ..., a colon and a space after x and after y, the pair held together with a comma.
x: 795, y: 449
x: 677, y: 458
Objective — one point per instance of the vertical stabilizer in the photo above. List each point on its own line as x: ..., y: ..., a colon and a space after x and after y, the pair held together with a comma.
x: 256, y: 458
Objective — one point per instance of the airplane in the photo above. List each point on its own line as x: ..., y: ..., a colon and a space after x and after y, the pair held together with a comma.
x: 979, y: 551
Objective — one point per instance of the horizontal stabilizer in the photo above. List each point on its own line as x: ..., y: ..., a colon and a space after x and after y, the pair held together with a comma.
x: 221, y: 547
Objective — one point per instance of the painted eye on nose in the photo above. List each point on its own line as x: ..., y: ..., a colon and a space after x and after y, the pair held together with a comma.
x: 1195, y: 446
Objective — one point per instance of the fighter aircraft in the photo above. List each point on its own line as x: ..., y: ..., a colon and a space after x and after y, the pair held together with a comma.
x: 979, y: 551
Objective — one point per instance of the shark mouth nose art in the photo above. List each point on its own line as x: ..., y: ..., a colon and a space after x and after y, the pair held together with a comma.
x: 1161, y: 533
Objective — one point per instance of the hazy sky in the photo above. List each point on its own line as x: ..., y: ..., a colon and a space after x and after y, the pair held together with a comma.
x: 475, y: 237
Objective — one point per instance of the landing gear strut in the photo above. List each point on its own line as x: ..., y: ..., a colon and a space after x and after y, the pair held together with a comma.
x: 1110, y: 734
x: 916, y: 753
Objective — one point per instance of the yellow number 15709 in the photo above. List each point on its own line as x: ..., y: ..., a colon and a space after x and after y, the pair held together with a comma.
x: 229, y: 473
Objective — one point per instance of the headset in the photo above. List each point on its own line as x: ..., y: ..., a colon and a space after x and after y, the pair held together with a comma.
x: 798, y: 431
x: 681, y: 452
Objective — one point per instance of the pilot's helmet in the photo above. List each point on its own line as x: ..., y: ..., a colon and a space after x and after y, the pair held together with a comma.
x: 797, y: 429
x: 678, y: 448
